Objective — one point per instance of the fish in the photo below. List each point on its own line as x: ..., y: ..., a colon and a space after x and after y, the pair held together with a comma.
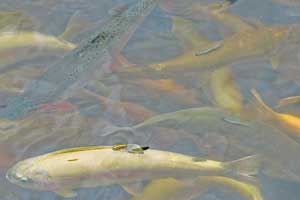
x: 121, y: 110
x: 20, y: 46
x: 254, y: 138
x: 78, y: 66
x: 11, y: 40
x: 170, y: 188
x: 287, y: 121
x: 226, y: 91
x: 170, y: 88
x: 64, y: 170
x: 249, y: 41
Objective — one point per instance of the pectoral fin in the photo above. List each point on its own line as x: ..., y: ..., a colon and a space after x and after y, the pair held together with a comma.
x: 135, y: 189
x: 209, y: 48
x: 66, y: 193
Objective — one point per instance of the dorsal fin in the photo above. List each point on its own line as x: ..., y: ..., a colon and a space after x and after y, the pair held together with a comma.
x: 130, y: 148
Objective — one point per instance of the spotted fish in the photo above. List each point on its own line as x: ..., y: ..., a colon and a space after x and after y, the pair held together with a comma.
x: 79, y: 65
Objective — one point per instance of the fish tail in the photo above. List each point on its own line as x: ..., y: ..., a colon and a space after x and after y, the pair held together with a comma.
x: 247, y: 167
x: 261, y: 103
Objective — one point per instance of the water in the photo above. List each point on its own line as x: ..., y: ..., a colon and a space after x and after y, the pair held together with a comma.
x: 145, y: 93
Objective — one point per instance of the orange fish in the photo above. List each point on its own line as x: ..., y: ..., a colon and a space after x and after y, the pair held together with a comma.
x: 289, y: 122
x: 170, y: 88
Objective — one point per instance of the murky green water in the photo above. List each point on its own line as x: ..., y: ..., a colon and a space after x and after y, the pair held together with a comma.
x: 208, y: 79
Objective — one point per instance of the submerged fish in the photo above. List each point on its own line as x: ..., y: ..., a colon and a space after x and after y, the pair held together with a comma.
x: 226, y: 91
x: 11, y: 40
x: 170, y: 189
x: 290, y: 122
x: 79, y: 65
x: 65, y: 170
x: 170, y: 88
x: 248, y: 42
x: 254, y: 138
x: 122, y: 110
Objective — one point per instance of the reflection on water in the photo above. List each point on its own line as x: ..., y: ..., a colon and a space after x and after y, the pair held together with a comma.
x: 214, y: 80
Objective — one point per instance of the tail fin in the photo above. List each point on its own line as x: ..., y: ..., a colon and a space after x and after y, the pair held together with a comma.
x: 245, y: 167
x: 261, y: 103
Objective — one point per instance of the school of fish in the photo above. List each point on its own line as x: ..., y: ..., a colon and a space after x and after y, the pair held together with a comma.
x: 83, y: 108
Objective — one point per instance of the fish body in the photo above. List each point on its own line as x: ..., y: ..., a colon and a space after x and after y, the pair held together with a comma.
x: 248, y: 41
x: 105, y: 165
x: 170, y: 88
x: 79, y: 65
x: 253, y: 138
x: 120, y: 110
x: 226, y: 91
x: 255, y: 43
x: 20, y: 46
x: 169, y: 189
x: 10, y: 40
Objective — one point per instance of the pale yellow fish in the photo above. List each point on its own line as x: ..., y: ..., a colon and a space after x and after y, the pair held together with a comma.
x: 224, y: 87
x: 10, y: 40
x: 226, y: 91
x: 170, y: 188
x: 246, y: 43
x: 82, y: 167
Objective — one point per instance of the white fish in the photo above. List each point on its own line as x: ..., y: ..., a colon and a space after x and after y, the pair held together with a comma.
x: 127, y: 165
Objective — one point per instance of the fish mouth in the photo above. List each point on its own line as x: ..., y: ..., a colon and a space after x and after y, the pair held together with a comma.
x: 13, y: 176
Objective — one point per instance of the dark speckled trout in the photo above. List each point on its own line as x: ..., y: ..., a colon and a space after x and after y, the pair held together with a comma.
x: 79, y: 65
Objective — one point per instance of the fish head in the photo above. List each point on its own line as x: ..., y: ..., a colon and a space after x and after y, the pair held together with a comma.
x: 27, y: 174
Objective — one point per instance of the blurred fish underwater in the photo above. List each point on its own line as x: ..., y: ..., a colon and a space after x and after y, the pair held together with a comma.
x: 150, y: 99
